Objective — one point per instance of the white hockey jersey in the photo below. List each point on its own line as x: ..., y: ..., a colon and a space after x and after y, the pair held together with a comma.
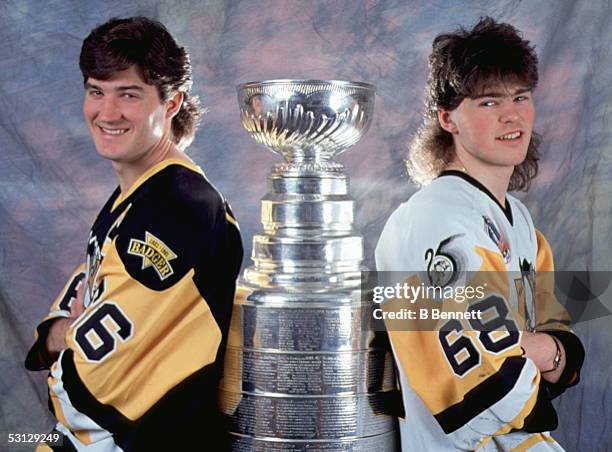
x: 466, y: 385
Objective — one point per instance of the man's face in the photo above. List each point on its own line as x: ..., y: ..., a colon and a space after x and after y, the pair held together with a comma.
x: 495, y: 127
x: 125, y: 116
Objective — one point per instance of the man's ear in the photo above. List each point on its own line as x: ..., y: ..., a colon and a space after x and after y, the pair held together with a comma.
x: 173, y: 104
x: 446, y: 121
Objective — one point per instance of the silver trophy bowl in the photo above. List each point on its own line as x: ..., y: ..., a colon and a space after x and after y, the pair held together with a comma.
x: 303, y: 369
x: 306, y: 120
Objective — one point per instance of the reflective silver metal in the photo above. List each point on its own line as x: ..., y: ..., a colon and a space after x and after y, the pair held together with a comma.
x: 303, y: 370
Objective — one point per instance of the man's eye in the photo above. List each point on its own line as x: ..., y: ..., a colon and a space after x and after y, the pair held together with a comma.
x: 95, y: 93
x: 488, y: 103
x: 521, y: 98
x: 129, y: 96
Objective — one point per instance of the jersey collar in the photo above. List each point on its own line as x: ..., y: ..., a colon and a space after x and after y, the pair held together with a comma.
x: 466, y: 177
x: 150, y: 172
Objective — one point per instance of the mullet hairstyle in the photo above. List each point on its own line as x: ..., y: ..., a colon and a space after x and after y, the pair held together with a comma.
x: 121, y: 43
x: 465, y: 64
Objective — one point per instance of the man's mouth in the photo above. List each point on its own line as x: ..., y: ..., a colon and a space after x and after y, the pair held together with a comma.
x: 115, y: 131
x: 510, y: 136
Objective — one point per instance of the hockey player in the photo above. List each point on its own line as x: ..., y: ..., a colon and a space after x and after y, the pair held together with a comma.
x: 135, y: 340
x: 479, y: 384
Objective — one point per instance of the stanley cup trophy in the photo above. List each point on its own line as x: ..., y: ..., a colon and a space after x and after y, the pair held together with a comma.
x: 303, y: 369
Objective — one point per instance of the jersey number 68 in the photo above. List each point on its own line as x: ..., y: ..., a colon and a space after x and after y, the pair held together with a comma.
x: 496, y: 334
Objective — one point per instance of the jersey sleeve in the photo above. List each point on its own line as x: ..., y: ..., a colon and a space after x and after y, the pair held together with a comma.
x: 38, y: 358
x: 470, y: 374
x: 145, y: 354
x: 553, y: 319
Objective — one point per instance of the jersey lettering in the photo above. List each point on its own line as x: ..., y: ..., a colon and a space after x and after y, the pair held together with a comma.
x: 71, y: 292
x: 490, y: 329
x: 98, y: 335
x: 459, y: 349
x: 497, y: 333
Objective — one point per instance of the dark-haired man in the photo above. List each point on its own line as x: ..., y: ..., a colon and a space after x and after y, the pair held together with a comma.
x: 479, y: 382
x: 135, y: 340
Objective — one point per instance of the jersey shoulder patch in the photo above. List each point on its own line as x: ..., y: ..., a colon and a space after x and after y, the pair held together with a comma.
x: 168, y: 227
x: 154, y: 253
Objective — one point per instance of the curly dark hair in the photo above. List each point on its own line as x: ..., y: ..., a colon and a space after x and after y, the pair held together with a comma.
x: 464, y: 64
x: 121, y: 43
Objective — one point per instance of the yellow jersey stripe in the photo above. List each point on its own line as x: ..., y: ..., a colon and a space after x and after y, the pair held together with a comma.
x: 232, y: 220
x: 532, y: 441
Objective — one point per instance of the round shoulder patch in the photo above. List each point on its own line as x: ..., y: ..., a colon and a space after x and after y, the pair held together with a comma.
x: 443, y: 264
x: 441, y: 270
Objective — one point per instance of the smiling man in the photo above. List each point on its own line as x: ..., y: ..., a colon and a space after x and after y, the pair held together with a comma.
x: 479, y: 384
x: 135, y: 340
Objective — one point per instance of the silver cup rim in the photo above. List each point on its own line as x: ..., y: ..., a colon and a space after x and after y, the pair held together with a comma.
x: 282, y: 81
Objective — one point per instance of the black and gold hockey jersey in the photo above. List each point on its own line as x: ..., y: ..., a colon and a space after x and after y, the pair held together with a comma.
x: 143, y: 361
x: 466, y: 384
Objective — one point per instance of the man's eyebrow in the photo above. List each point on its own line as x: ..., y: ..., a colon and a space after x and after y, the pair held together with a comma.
x: 118, y: 88
x: 497, y: 94
x: 129, y: 87
x: 92, y: 86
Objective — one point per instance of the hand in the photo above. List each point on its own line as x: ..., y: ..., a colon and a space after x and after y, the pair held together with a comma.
x: 77, y: 307
x: 541, y: 349
x: 56, y: 338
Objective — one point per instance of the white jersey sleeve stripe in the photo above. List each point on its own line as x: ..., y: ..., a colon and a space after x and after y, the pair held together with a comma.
x: 503, y: 412
x: 77, y: 421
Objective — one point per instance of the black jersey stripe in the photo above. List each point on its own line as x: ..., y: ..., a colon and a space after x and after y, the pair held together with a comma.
x: 574, y: 355
x: 188, y: 407
x: 543, y: 417
x: 106, y: 416
x: 486, y: 394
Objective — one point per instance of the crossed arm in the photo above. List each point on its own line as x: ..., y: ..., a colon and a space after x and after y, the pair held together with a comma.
x: 56, y: 341
x: 541, y: 348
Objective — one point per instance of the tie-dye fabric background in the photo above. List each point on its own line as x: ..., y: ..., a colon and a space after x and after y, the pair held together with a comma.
x: 52, y: 183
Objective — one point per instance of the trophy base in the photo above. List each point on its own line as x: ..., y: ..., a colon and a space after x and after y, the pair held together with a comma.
x: 305, y: 371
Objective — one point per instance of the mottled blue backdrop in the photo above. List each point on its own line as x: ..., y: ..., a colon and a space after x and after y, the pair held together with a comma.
x: 52, y: 183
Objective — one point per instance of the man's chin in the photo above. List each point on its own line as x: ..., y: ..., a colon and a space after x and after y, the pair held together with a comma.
x: 515, y: 159
x: 109, y: 154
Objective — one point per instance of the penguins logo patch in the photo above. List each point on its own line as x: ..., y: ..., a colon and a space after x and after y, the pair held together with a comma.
x: 154, y: 253
x: 441, y: 266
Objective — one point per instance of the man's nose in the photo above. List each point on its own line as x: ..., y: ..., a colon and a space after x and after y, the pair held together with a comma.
x: 510, y: 113
x: 109, y: 110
